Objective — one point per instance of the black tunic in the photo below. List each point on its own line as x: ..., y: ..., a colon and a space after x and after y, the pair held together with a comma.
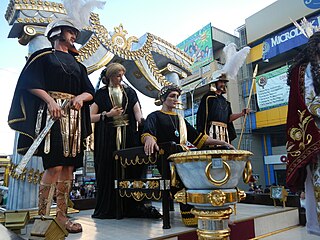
x: 162, y: 126
x: 49, y: 70
x: 105, y: 145
x: 214, y: 107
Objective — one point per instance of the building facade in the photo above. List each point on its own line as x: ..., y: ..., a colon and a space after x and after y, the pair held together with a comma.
x: 274, y: 42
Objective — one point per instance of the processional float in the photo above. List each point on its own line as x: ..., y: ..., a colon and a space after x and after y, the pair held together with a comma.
x: 151, y: 63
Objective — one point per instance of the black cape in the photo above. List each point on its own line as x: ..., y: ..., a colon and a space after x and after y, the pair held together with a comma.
x: 49, y: 70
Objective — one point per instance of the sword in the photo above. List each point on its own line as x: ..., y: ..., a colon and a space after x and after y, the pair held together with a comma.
x: 26, y: 158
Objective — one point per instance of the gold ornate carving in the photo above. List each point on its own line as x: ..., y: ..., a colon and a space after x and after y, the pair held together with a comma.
x: 88, y: 49
x: 138, y: 184
x: 124, y: 184
x: 208, y: 234
x: 209, y: 214
x: 217, y: 198
x: 137, y: 160
x: 181, y: 196
x: 213, y: 198
x: 119, y: 39
x: 21, y: 5
x: 172, y: 68
x: 139, y: 196
x: 152, y: 184
x: 149, y: 184
x: 155, y: 71
x: 36, y: 177
x: 173, y: 175
x: 207, y: 155
x: 299, y: 138
x: 178, y: 50
x: 119, y: 45
x: 29, y: 175
x: 241, y: 194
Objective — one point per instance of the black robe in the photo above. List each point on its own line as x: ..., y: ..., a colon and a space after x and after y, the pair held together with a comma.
x: 105, y: 145
x: 214, y: 107
x: 162, y: 126
x: 49, y: 70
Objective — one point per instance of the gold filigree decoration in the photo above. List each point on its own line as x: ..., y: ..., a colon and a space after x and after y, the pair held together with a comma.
x: 139, y: 196
x: 186, y: 56
x: 152, y: 184
x: 138, y: 184
x: 124, y: 184
x: 119, y: 46
x: 23, y: 175
x: 101, y: 32
x: 241, y: 195
x: 155, y: 71
x: 44, y: 6
x: 30, y: 175
x: 172, y: 53
x: 119, y: 38
x: 217, y: 198
x: 138, y: 160
x: 221, y: 214
x: 181, y: 196
x: 299, y: 136
x: 88, y: 49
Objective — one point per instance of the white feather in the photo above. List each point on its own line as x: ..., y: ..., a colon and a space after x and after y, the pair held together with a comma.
x: 79, y: 11
x: 234, y: 60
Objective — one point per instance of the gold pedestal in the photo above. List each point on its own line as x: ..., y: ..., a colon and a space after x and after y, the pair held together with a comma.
x: 213, y: 223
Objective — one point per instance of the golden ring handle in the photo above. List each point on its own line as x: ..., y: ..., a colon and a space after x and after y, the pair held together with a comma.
x: 247, y: 172
x: 218, y: 182
x: 173, y: 175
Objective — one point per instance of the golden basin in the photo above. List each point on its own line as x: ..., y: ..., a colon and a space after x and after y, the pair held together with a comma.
x: 212, y: 169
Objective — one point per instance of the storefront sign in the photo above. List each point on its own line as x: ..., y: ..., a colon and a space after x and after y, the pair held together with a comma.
x: 286, y: 40
x: 272, y: 89
x: 275, y: 159
x: 313, y: 4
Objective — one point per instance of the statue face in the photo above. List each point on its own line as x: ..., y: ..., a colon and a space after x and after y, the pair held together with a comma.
x: 117, y: 78
x: 221, y: 86
x: 172, y: 99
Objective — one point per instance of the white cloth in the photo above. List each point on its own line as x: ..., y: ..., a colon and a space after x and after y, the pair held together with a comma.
x: 312, y: 225
x: 313, y: 175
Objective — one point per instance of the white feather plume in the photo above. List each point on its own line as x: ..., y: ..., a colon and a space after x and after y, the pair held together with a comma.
x: 234, y: 60
x: 79, y: 10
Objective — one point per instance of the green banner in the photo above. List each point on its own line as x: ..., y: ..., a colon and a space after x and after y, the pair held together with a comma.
x: 272, y: 89
x: 199, y: 47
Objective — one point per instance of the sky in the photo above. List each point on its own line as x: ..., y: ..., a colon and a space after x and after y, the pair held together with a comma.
x: 172, y: 20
